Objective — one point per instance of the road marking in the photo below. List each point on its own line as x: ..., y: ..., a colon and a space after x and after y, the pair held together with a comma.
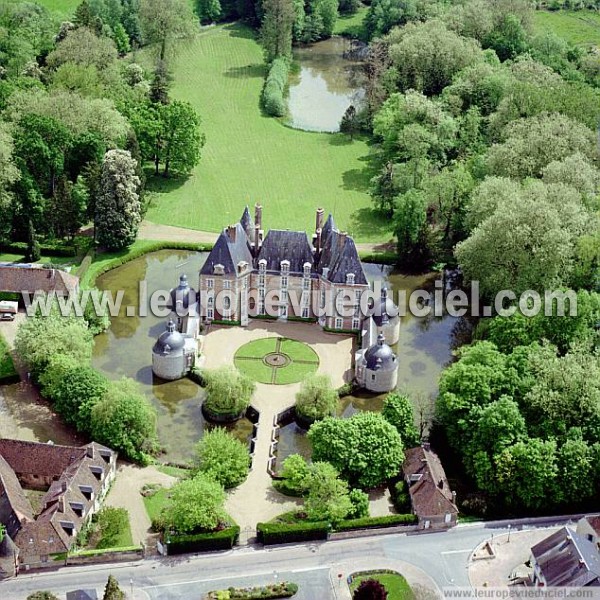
x: 457, y: 551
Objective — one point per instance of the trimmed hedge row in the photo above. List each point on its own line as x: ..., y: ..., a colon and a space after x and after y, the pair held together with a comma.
x: 276, y: 590
x: 374, y: 522
x: 274, y: 89
x: 284, y: 533
x: 224, y: 539
x: 47, y: 249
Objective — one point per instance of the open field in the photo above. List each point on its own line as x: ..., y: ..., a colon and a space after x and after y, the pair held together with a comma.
x: 250, y: 158
x: 352, y: 25
x: 577, y: 27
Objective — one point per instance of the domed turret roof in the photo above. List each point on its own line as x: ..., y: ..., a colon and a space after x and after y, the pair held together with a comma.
x: 384, y: 309
x: 380, y: 356
x: 169, y: 341
x: 183, y: 294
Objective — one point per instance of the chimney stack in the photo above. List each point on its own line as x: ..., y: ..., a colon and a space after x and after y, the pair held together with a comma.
x: 256, y: 239
x: 90, y: 451
x: 342, y: 238
x: 319, y: 219
x: 258, y: 215
x: 231, y: 232
x: 318, y: 240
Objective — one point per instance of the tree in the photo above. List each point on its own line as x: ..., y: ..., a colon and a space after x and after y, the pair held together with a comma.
x: 370, y: 589
x: 118, y: 210
x: 426, y: 56
x: 112, y: 591
x: 33, y: 253
x: 159, y: 88
x: 360, y: 504
x: 180, y: 140
x: 316, y: 399
x: 398, y: 411
x: 125, y: 420
x: 508, y: 38
x: 276, y: 29
x: 162, y: 21
x: 209, y: 11
x: 40, y: 339
x: 328, y: 497
x: 42, y: 596
x: 410, y: 224
x: 82, y: 47
x: 9, y: 175
x: 531, y: 144
x: 74, y: 391
x: 228, y: 392
x: 196, y: 505
x: 296, y: 471
x: 365, y: 449
x: 222, y: 457
x: 575, y: 465
x: 385, y: 14
x: 350, y: 124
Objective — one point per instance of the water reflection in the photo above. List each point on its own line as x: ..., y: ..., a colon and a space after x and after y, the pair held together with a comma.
x: 324, y: 86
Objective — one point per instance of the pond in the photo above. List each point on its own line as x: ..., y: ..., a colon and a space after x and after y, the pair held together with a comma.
x: 126, y: 350
x: 323, y: 86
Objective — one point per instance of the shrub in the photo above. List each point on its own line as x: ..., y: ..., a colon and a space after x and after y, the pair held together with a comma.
x: 274, y: 89
x: 8, y: 373
x: 223, y: 457
x: 283, y: 589
x: 295, y: 473
x: 375, y: 522
x: 316, y: 399
x: 111, y: 523
x: 42, y: 596
x: 283, y: 533
x: 223, y: 539
x: 228, y: 393
x: 370, y: 589
x: 360, y: 504
x: 401, y: 497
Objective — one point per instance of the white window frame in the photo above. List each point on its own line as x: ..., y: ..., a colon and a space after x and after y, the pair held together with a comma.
x: 226, y: 284
x: 210, y: 283
x: 355, y: 323
x: 339, y: 322
x: 305, y: 313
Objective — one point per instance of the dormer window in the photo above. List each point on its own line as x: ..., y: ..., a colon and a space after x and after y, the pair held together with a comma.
x: 105, y: 456
x: 219, y: 270
x: 285, y: 266
x: 97, y: 472
x: 87, y: 491
x: 69, y: 527
x: 262, y: 265
x: 306, y: 269
x: 350, y: 278
x: 77, y: 508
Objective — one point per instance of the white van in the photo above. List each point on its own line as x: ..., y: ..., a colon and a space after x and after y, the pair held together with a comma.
x: 8, y: 310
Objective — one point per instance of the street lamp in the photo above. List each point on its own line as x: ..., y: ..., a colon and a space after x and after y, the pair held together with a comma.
x: 131, y: 585
x: 508, y: 541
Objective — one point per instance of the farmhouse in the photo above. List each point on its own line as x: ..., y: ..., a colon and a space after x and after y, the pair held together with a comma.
x: 74, y: 479
x: 283, y: 275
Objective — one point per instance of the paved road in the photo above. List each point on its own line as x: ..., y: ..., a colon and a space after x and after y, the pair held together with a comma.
x: 442, y: 556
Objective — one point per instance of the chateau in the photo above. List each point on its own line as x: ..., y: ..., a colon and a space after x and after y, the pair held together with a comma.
x: 283, y: 275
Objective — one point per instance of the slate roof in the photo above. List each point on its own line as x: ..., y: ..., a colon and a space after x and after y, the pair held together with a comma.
x: 228, y: 252
x: 431, y: 495
x: 33, y: 278
x: 247, y: 223
x: 568, y: 559
x: 340, y: 256
x: 286, y: 245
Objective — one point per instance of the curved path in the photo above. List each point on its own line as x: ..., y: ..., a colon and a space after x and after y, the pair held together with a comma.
x: 169, y: 233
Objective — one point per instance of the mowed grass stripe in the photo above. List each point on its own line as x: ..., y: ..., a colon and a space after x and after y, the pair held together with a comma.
x: 250, y: 158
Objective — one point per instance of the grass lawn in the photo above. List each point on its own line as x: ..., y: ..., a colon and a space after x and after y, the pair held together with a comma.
x: 62, y: 7
x: 577, y: 27
x: 178, y: 472
x: 155, y: 503
x: 123, y: 539
x: 7, y: 367
x: 250, y: 158
x: 396, y: 586
x: 44, y: 260
x: 303, y: 360
x: 352, y: 25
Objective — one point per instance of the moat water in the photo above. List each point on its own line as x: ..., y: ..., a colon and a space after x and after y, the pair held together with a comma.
x: 424, y: 348
x: 322, y: 85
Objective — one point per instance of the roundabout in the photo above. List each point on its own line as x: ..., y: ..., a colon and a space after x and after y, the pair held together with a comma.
x: 276, y: 360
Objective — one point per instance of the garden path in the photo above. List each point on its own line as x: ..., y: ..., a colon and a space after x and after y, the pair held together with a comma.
x: 125, y: 493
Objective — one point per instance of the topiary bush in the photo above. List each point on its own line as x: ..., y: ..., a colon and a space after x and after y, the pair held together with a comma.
x: 274, y: 89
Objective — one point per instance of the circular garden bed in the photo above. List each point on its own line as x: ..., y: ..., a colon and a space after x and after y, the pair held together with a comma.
x: 276, y: 360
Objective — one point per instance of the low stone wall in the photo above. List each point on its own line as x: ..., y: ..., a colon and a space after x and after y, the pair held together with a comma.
x: 357, y: 533
x: 100, y: 557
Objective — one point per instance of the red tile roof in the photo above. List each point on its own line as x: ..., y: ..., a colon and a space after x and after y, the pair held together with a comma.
x: 430, y: 493
x: 33, y: 278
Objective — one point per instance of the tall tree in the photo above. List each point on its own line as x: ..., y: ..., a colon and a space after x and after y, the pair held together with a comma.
x: 162, y: 21
x: 112, y: 591
x: 276, y: 28
x: 118, y: 210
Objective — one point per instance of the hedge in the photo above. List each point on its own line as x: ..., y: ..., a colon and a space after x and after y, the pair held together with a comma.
x: 373, y: 522
x: 283, y: 589
x: 274, y: 89
x: 283, y: 487
x: 383, y: 258
x: 224, y: 539
x: 46, y: 249
x: 284, y: 533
